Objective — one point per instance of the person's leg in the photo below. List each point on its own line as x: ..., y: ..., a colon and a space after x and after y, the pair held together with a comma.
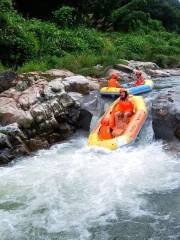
x: 126, y: 116
x: 119, y: 124
x: 118, y: 119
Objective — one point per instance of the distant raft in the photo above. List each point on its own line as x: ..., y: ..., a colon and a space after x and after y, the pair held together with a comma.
x: 111, y: 91
x: 130, y: 133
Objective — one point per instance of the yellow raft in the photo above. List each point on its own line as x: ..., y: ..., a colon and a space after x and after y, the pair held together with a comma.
x: 111, y: 91
x: 134, y: 126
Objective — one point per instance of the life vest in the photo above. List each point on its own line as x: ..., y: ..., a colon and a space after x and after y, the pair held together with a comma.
x: 140, y: 81
x: 124, y: 106
x: 104, y: 132
x: 113, y: 83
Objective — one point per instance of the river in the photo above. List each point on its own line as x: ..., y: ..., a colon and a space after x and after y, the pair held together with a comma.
x: 72, y: 192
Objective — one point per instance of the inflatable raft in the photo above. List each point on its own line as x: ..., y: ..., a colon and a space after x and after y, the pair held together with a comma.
x: 110, y: 91
x: 130, y: 133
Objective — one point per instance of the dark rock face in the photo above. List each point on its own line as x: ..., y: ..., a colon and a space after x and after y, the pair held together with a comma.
x: 166, y: 116
x: 7, y: 80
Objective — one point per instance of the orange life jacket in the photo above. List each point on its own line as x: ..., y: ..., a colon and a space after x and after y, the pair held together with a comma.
x: 139, y: 81
x: 113, y: 83
x: 105, y: 132
x: 124, y: 106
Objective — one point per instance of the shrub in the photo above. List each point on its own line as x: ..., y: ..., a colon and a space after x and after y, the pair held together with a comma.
x: 16, y: 43
x: 65, y: 16
x: 6, y: 5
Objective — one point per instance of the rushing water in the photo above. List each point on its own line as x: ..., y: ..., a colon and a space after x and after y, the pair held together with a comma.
x: 73, y: 192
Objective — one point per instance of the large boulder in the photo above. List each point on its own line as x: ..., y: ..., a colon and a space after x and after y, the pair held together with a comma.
x: 143, y: 65
x: 166, y: 115
x: 123, y: 68
x: 7, y: 80
x: 11, y: 113
x: 77, y: 83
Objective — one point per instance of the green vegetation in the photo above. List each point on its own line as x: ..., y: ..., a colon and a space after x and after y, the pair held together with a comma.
x: 77, y: 39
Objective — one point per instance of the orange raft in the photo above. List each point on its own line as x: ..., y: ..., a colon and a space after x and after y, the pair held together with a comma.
x: 130, y: 133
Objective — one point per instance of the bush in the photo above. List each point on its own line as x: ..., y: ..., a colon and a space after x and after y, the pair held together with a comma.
x: 6, y: 5
x: 91, y: 37
x: 65, y: 16
x: 16, y: 43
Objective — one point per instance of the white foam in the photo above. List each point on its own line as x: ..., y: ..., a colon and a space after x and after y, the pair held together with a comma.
x: 70, y: 187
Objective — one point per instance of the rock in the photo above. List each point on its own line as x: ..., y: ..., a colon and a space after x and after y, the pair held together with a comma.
x: 7, y: 80
x: 78, y: 84
x: 10, y: 113
x: 143, y: 65
x: 24, y: 83
x: 123, y: 75
x: 158, y: 73
x: 56, y: 85
x: 166, y: 115
x: 76, y: 96
x: 173, y: 72
x: 4, y: 142
x: 54, y: 138
x: 11, y: 129
x: 6, y: 156
x: 32, y: 95
x: 35, y: 144
x: 177, y: 131
x: 94, y: 83
x: 91, y: 105
x: 57, y: 73
x: 38, y: 112
x: 123, y: 68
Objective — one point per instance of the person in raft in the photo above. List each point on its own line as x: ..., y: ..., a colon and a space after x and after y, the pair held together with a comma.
x: 113, y: 81
x: 115, y: 124
x: 105, y: 131
x: 123, y: 110
x: 139, y: 79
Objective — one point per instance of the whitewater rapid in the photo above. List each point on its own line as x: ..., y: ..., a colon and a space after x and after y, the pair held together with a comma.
x: 72, y: 192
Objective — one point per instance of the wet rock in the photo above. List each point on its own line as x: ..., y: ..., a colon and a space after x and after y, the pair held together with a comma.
x: 11, y: 130
x: 7, y: 80
x: 91, y: 105
x: 54, y: 138
x: 4, y: 142
x: 177, y: 131
x: 6, y: 156
x: 165, y: 115
x: 35, y: 144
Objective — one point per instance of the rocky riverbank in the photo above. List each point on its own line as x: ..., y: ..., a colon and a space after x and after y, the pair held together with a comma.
x: 38, y: 109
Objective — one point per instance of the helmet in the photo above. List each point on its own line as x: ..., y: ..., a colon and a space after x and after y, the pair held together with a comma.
x: 105, y: 121
x: 114, y: 75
